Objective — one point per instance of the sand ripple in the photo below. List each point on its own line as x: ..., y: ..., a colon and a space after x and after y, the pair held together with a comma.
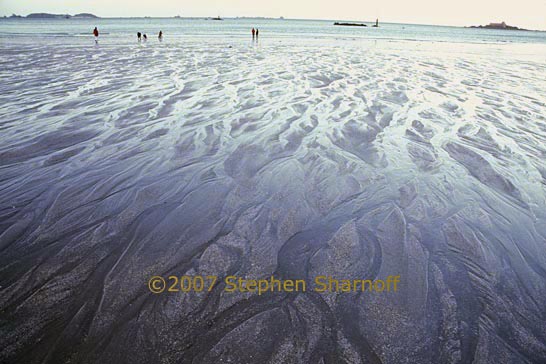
x: 117, y: 164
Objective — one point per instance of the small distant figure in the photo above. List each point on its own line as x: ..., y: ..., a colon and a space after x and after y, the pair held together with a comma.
x: 96, y: 34
x: 253, y: 33
x: 144, y: 37
x: 160, y: 36
x: 139, y: 36
x: 257, y: 33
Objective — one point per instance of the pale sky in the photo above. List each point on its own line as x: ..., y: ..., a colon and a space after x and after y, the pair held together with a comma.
x: 523, y: 13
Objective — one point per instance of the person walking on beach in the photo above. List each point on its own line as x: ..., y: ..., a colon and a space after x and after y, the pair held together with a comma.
x: 160, y: 36
x: 144, y: 37
x: 138, y: 36
x: 257, y: 32
x: 96, y: 34
x: 253, y: 33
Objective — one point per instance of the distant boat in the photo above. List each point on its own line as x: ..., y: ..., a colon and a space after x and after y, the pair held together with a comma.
x: 351, y: 24
x: 376, y: 23
x: 217, y: 18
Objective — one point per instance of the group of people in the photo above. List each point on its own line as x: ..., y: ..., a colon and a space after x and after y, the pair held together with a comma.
x: 255, y: 33
x: 140, y: 36
x: 144, y: 37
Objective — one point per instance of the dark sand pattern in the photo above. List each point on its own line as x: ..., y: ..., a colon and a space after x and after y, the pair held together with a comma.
x: 117, y: 164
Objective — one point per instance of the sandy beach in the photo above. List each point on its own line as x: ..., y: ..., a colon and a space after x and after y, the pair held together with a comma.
x: 287, y: 158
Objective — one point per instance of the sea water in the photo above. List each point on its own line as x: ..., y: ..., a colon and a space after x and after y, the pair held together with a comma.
x: 198, y: 28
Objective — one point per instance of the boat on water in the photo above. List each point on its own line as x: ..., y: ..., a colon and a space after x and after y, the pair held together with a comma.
x: 351, y: 24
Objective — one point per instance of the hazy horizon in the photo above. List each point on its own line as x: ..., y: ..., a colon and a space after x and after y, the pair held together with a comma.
x: 526, y: 13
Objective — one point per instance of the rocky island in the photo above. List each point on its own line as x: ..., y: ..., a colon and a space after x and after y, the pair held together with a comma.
x: 86, y: 16
x: 502, y: 26
x: 58, y: 16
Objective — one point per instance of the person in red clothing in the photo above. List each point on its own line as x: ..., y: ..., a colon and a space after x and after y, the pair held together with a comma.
x: 96, y: 34
x: 253, y: 33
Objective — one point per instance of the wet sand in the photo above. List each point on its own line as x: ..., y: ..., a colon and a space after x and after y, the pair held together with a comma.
x: 355, y: 161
